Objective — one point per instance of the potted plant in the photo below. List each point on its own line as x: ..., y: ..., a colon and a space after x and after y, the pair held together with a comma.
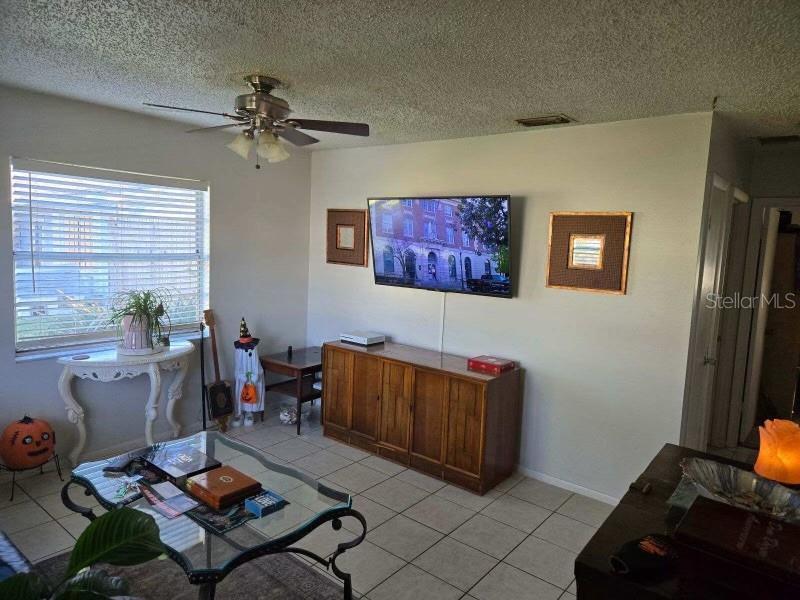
x: 141, y: 316
x: 122, y: 537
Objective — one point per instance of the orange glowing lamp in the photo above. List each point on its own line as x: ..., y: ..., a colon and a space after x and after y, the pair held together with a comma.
x: 779, y: 454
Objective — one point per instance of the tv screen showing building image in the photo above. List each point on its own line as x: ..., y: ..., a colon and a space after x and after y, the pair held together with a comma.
x: 449, y: 244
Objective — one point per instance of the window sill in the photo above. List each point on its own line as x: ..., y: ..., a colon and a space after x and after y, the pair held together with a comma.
x: 53, y: 353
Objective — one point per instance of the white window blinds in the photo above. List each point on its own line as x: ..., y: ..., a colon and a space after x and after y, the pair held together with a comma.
x: 83, y: 235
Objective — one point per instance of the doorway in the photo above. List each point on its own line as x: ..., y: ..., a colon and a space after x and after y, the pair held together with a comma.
x: 704, y: 345
x: 773, y: 351
x: 752, y: 356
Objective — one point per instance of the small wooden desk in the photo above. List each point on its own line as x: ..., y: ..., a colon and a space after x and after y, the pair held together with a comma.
x: 302, y: 366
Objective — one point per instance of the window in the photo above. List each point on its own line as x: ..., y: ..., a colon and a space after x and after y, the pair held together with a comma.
x: 451, y: 265
x: 487, y: 267
x: 429, y: 205
x: 386, y: 223
x: 408, y: 228
x: 464, y: 239
x: 408, y: 203
x: 430, y: 230
x: 451, y: 235
x: 468, y: 268
x: 448, y: 210
x: 81, y: 236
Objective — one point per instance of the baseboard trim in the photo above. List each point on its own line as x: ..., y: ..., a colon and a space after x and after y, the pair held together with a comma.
x: 135, y: 443
x: 567, y: 485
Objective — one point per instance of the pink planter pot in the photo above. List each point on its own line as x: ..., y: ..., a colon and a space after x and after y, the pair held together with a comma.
x: 136, y: 334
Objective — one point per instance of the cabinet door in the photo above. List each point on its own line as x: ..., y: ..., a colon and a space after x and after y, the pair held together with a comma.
x: 337, y: 387
x: 395, y: 405
x: 428, y: 414
x: 464, y: 420
x: 366, y: 395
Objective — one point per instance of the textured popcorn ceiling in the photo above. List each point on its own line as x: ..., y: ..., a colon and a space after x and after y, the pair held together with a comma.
x: 419, y: 70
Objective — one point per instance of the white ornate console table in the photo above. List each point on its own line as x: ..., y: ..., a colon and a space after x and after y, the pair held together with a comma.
x: 108, y: 366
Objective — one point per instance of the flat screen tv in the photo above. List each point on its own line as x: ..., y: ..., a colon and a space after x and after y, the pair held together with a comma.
x: 450, y: 244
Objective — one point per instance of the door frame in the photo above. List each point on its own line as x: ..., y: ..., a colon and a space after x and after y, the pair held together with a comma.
x: 698, y: 400
x: 751, y: 326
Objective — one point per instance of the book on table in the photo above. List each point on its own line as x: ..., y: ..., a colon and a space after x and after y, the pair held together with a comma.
x: 178, y: 462
x: 222, y: 487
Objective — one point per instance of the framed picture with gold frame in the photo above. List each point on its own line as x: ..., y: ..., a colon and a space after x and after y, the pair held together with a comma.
x: 589, y: 251
x: 347, y: 237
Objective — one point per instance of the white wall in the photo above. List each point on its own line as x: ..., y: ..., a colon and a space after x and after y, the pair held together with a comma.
x: 259, y: 249
x: 604, y: 374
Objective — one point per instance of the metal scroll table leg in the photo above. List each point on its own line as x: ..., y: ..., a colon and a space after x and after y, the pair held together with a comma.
x: 341, y: 548
x: 86, y: 512
x: 207, y: 591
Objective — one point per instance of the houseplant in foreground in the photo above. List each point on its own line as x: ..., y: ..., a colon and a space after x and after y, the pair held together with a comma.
x: 120, y: 537
x: 141, y: 315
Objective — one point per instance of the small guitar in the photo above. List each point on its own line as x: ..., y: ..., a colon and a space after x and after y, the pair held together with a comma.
x: 220, y: 397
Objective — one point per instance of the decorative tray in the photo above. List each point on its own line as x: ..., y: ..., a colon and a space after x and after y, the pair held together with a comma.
x: 733, y: 486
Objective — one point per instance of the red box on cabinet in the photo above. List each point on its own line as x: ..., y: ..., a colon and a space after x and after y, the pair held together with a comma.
x: 490, y: 364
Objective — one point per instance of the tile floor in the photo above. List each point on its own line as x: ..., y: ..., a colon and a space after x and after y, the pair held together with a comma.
x: 426, y: 539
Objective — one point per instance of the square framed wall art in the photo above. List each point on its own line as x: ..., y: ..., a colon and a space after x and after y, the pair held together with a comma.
x: 347, y: 237
x: 589, y: 251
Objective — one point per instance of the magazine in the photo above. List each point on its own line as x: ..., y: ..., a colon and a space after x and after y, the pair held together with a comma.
x: 170, y: 507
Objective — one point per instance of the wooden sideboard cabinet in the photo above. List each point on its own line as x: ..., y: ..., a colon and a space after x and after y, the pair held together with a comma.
x: 423, y: 409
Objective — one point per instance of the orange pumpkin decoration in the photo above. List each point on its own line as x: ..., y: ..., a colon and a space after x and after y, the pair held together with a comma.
x: 27, y: 443
x: 249, y: 393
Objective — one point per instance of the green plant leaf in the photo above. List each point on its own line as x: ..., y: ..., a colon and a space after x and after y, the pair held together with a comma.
x: 93, y: 584
x: 24, y: 586
x: 119, y: 537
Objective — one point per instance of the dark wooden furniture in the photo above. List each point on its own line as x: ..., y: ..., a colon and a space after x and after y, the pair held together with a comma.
x: 636, y: 515
x: 423, y: 409
x: 302, y: 366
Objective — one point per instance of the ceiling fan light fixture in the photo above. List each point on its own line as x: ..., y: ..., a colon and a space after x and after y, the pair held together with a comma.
x: 270, y: 149
x: 241, y: 145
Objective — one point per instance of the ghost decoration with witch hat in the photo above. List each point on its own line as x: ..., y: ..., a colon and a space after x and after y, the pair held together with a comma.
x: 27, y: 443
x: 249, y: 388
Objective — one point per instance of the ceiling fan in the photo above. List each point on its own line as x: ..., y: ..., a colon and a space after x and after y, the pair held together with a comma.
x: 265, y: 118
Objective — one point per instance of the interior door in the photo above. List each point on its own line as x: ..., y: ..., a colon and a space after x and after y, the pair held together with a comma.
x: 428, y: 414
x: 395, y: 411
x: 464, y: 426
x: 337, y: 387
x: 701, y: 370
x: 366, y: 396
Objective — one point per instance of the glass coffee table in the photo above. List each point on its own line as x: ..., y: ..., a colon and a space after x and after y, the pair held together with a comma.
x: 207, y: 555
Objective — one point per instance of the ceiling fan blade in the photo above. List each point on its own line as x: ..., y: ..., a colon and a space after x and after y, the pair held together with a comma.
x: 333, y: 126
x: 196, y: 129
x: 298, y: 138
x: 197, y: 110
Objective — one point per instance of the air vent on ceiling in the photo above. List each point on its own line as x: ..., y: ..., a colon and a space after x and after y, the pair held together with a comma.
x: 545, y: 120
x: 779, y: 139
